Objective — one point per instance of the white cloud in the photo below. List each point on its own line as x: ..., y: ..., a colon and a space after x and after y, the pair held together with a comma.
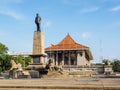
x: 5, y: 9
x: 114, y: 9
x: 47, y: 24
x: 85, y: 35
x: 12, y: 14
x: 88, y: 10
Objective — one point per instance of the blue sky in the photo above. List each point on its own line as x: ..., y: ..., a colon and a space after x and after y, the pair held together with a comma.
x: 94, y: 23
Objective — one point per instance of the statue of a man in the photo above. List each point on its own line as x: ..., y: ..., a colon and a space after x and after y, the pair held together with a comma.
x: 38, y: 22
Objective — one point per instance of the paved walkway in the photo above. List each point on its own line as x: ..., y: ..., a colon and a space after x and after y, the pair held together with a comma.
x: 58, y: 84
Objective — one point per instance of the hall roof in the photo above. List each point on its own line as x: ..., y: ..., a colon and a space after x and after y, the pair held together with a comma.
x: 69, y: 44
x: 66, y: 44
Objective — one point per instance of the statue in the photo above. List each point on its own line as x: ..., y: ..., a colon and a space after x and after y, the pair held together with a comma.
x: 16, y: 71
x: 51, y: 64
x: 38, y: 22
x: 15, y: 66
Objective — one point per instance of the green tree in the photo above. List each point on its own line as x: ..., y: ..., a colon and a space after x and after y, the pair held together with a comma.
x: 116, y: 65
x: 27, y: 60
x: 23, y: 60
x: 5, y: 62
x: 3, y: 49
x: 105, y: 61
x: 3, y: 57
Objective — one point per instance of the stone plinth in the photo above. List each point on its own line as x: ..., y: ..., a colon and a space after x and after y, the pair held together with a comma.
x: 38, y: 59
x: 38, y: 48
x: 38, y: 43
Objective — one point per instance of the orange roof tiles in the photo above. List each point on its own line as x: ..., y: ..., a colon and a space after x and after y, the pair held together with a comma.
x: 66, y: 44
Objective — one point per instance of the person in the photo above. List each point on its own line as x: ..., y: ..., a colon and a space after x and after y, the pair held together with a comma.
x: 38, y: 22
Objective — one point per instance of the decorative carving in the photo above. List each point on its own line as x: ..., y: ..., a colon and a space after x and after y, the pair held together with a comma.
x: 15, y: 66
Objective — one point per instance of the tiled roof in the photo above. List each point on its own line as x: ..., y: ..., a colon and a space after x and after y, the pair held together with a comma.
x: 66, y: 44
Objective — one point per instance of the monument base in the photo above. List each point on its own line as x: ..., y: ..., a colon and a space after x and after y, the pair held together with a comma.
x: 34, y: 74
x: 38, y: 59
x: 37, y: 63
x: 35, y: 66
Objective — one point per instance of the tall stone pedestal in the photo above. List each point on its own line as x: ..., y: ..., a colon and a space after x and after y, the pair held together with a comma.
x: 38, y: 43
x: 38, y: 51
x: 38, y: 48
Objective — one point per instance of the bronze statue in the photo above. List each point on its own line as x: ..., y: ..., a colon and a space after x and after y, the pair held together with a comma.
x: 38, y: 22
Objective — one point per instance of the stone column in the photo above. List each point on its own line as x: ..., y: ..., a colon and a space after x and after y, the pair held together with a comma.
x: 53, y: 57
x: 81, y: 59
x: 38, y: 46
x: 42, y: 61
x: 38, y: 43
x: 69, y: 58
x: 78, y: 58
x: 63, y: 58
x: 57, y: 58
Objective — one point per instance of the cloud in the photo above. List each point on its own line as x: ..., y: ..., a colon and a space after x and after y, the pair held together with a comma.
x: 5, y: 9
x: 85, y: 35
x: 115, y: 9
x: 12, y: 14
x: 47, y: 24
x: 89, y: 10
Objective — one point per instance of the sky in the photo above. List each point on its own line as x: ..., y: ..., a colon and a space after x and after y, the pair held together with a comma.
x: 93, y: 23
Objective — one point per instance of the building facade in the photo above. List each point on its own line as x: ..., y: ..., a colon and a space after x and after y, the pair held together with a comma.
x: 68, y: 52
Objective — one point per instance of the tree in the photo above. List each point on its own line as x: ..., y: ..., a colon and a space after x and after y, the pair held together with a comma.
x: 3, y: 49
x: 116, y: 65
x: 3, y: 57
x: 27, y: 61
x: 105, y: 61
x: 23, y: 60
x: 5, y: 62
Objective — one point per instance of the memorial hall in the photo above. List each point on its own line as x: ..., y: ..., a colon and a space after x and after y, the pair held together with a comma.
x: 68, y: 52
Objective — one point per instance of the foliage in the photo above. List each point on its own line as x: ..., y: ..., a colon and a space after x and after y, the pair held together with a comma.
x: 23, y: 60
x: 105, y: 61
x: 116, y: 65
x: 0, y: 69
x: 3, y: 48
x: 27, y: 61
x: 5, y: 59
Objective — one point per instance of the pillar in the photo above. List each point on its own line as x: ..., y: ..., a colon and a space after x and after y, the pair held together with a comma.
x: 81, y: 59
x: 53, y: 57
x: 38, y: 43
x: 57, y: 58
x: 78, y: 58
x: 69, y: 58
x: 63, y: 58
x: 38, y: 48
